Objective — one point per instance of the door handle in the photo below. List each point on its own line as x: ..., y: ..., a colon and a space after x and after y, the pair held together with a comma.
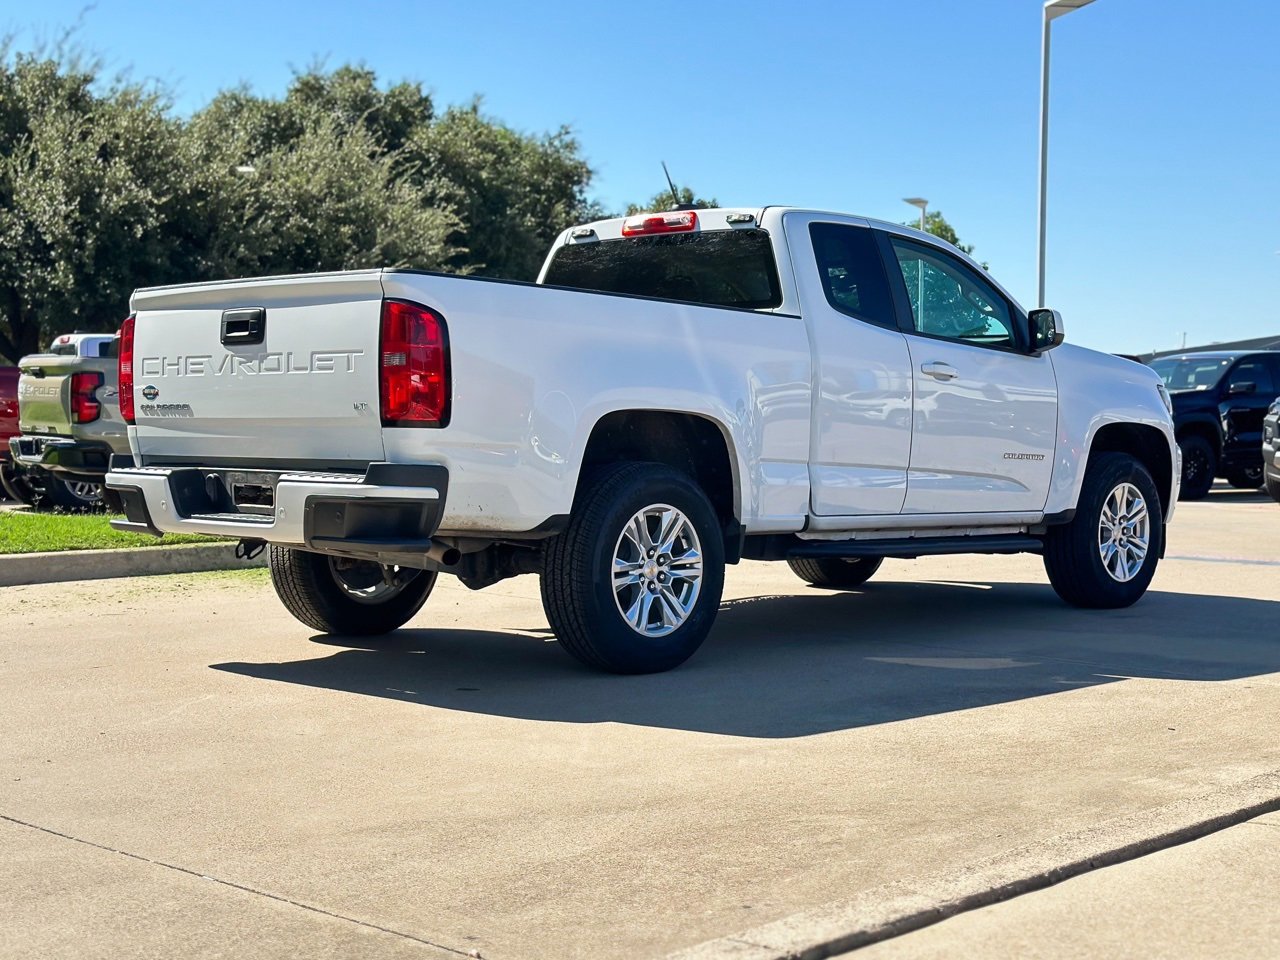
x: 938, y: 370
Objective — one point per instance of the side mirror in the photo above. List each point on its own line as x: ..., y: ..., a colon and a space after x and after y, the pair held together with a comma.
x: 1242, y: 387
x: 1045, y: 327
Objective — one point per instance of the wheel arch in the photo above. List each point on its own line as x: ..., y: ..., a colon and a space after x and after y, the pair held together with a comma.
x: 692, y: 443
x: 1146, y: 443
x: 1205, y: 427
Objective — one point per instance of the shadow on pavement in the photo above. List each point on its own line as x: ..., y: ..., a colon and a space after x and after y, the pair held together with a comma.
x: 1224, y: 493
x: 791, y: 666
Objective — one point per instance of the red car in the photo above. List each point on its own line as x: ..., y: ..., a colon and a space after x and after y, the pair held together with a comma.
x: 8, y: 419
x: 8, y: 408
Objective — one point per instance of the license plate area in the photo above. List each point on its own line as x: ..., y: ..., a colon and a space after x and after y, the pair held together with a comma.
x: 248, y: 491
x: 224, y: 492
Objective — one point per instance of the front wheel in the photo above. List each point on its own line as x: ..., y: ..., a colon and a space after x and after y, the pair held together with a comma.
x: 352, y: 597
x: 1247, y: 478
x: 633, y: 584
x: 1199, y: 464
x: 1106, y: 556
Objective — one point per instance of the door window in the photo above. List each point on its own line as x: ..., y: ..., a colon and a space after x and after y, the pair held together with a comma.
x: 950, y: 300
x: 852, y: 272
x: 1255, y: 372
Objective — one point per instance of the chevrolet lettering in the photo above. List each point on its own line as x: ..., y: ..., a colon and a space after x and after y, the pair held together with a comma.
x: 261, y: 364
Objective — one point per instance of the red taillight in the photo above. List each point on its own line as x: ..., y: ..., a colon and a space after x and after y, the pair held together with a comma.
x: 126, y: 370
x: 679, y: 221
x: 85, y: 407
x: 413, y: 366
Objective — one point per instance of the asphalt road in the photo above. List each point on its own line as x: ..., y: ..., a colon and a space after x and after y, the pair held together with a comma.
x: 185, y: 770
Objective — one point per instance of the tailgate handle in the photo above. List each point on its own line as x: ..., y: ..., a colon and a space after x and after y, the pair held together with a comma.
x: 245, y: 325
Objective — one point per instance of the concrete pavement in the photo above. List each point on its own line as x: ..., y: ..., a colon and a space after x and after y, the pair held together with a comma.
x: 1210, y: 899
x: 465, y: 786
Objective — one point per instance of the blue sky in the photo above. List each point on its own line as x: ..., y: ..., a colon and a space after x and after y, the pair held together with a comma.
x: 1164, y: 196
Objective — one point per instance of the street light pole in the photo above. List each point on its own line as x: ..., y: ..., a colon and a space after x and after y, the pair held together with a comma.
x: 1052, y: 10
x: 920, y: 202
x: 923, y: 204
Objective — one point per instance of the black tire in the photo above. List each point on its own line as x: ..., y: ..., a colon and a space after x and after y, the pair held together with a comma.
x: 72, y: 495
x: 1248, y: 478
x: 1273, y: 487
x: 16, y: 485
x: 835, y: 574
x: 311, y: 587
x: 1199, y: 466
x: 1072, y: 554
x: 577, y: 582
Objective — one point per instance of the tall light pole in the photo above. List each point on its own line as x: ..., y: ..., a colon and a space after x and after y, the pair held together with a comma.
x: 1052, y: 10
x: 920, y: 202
x: 923, y: 204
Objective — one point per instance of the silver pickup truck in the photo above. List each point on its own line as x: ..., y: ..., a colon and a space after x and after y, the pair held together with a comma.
x: 69, y: 422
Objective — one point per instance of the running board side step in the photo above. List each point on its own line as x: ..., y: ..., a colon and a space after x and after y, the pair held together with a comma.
x: 782, y: 547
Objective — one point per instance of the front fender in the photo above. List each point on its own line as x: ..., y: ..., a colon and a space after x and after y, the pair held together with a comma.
x: 1094, y: 391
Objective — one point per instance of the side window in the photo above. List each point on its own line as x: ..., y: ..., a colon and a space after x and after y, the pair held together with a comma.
x: 950, y: 300
x: 1255, y: 372
x: 852, y: 272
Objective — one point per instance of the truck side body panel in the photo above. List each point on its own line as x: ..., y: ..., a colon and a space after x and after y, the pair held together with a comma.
x: 535, y: 369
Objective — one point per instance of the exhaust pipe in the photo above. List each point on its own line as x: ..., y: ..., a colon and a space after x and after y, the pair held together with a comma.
x: 443, y: 554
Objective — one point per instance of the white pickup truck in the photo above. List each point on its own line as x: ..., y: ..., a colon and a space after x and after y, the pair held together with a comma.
x: 678, y: 391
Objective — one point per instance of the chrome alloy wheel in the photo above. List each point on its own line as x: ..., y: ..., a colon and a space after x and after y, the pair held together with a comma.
x: 85, y: 490
x: 1124, y: 533
x: 657, y: 570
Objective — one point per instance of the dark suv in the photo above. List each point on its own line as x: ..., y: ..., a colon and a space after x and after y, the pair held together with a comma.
x: 1219, y: 402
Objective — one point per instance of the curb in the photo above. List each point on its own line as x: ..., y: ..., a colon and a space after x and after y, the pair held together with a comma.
x: 906, y: 905
x: 26, y: 568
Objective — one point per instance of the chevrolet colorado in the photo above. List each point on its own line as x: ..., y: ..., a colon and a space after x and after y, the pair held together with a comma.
x: 69, y: 420
x: 677, y: 391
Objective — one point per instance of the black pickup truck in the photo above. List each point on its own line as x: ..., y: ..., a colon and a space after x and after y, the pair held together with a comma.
x: 1219, y: 402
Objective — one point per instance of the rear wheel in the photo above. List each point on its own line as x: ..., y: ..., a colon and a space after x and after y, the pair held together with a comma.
x: 1106, y: 556
x: 16, y: 486
x: 1199, y: 464
x: 633, y: 584
x: 352, y: 597
x: 836, y: 574
x: 75, y: 495
x: 1247, y: 478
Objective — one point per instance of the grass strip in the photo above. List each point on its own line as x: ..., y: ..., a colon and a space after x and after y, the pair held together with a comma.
x: 23, y: 532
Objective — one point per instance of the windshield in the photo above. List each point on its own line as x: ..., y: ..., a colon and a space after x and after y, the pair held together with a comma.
x: 720, y: 268
x: 1191, y: 373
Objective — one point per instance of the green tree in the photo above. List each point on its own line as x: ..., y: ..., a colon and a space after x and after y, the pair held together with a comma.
x: 936, y: 224
x: 314, y: 181
x: 665, y: 201
x: 91, y: 198
x: 513, y: 192
x: 103, y: 190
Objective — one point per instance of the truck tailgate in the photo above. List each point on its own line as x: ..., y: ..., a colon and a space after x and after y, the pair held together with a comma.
x: 259, y: 372
x: 44, y: 393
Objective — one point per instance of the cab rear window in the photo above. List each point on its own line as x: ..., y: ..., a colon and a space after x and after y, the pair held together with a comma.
x: 718, y: 268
